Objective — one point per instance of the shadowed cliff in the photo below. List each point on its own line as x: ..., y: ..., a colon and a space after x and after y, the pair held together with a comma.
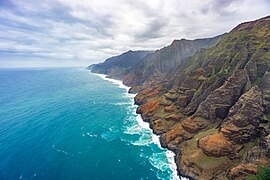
x: 209, y: 99
x: 154, y: 66
x: 213, y: 109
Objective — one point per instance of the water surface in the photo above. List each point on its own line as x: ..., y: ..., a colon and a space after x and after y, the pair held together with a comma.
x: 71, y: 124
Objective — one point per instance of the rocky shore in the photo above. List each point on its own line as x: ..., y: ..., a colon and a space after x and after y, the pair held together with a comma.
x: 212, y: 106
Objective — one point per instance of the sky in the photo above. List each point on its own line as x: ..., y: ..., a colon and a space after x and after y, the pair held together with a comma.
x: 54, y: 33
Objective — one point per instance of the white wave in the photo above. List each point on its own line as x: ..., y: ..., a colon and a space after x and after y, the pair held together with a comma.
x: 134, y: 129
x: 157, y: 160
x: 144, y: 140
x: 121, y: 103
x: 114, y: 81
x: 154, y: 139
x: 170, y: 156
x: 91, y: 135
x: 144, y: 125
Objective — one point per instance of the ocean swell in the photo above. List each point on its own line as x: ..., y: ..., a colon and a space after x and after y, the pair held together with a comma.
x: 147, y: 137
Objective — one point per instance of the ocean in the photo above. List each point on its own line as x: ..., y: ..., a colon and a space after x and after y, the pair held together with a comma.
x: 71, y: 124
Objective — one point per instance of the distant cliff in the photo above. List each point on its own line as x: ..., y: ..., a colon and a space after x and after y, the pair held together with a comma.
x: 154, y: 66
x: 116, y: 67
x: 209, y: 99
x: 213, y: 110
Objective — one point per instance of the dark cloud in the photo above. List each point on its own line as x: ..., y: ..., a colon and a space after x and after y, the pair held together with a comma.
x: 85, y: 32
x: 153, y: 30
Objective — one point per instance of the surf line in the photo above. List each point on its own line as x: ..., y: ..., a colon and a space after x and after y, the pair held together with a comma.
x: 155, y: 138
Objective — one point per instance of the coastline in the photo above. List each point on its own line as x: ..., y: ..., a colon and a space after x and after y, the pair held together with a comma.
x: 155, y: 138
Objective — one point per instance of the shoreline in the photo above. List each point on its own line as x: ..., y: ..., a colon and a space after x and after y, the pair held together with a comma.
x: 155, y: 138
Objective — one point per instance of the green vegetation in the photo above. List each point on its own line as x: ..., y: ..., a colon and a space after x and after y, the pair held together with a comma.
x: 266, y: 117
x: 201, y: 159
x: 263, y: 174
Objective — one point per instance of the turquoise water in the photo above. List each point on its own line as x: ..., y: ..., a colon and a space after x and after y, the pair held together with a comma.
x: 71, y: 124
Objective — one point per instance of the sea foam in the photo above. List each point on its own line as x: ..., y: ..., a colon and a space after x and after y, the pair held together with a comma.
x: 61, y: 151
x: 136, y: 129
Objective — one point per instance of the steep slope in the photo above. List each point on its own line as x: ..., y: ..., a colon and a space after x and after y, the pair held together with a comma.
x: 213, y: 109
x: 116, y: 66
x: 155, y: 66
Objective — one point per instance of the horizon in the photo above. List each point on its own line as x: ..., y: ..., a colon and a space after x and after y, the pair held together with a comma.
x: 147, y: 89
x: 65, y: 33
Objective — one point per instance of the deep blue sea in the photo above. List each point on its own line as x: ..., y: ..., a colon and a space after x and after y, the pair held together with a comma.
x: 71, y: 124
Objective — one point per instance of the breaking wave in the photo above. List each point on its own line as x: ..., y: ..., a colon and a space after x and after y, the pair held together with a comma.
x: 135, y: 126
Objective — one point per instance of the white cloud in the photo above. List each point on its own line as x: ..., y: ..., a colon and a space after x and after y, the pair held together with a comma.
x: 87, y: 31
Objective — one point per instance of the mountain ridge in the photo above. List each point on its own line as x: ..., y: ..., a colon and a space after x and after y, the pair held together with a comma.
x: 154, y: 66
x: 213, y: 108
x: 116, y: 66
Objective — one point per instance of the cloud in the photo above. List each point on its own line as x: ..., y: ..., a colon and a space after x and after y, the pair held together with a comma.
x: 68, y: 32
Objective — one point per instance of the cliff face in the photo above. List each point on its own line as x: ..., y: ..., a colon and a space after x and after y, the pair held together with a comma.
x: 211, y: 106
x: 116, y: 67
x: 154, y: 66
x: 213, y: 109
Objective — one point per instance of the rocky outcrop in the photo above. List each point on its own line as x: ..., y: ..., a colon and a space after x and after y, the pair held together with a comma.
x: 217, y: 145
x: 214, y: 106
x: 156, y: 65
x: 240, y: 171
x: 210, y: 106
x: 240, y: 126
x: 256, y: 156
x: 174, y: 137
x: 221, y: 100
x: 146, y: 110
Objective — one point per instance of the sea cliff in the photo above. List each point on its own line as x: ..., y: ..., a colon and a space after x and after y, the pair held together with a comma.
x: 209, y: 101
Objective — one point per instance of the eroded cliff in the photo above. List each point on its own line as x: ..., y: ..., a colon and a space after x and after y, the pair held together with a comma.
x: 213, y: 110
x: 210, y: 101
